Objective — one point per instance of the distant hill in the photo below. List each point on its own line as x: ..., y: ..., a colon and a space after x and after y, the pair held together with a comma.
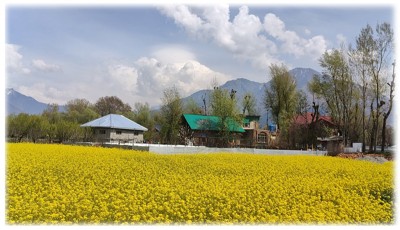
x: 242, y: 86
x: 19, y: 103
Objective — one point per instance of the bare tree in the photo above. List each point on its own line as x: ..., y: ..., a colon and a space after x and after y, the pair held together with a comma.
x: 387, y: 113
x: 379, y: 47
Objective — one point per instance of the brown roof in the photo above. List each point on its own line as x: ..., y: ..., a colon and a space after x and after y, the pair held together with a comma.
x: 307, y: 118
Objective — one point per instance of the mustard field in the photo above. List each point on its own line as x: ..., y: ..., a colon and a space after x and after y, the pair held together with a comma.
x: 59, y: 184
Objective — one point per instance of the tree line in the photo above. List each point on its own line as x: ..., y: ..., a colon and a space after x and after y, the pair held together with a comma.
x: 164, y: 125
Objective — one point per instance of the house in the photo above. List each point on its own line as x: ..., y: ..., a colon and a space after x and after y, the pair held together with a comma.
x: 205, y: 131
x: 254, y: 136
x: 116, y: 128
x: 305, y: 130
x: 307, y: 118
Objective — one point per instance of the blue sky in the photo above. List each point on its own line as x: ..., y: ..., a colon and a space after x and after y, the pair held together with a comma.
x: 59, y: 53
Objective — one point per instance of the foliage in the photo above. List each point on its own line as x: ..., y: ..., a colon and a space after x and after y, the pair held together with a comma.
x: 336, y: 88
x: 171, y: 113
x: 58, y: 184
x: 281, y: 98
x: 192, y: 107
x: 223, y: 105
x: 80, y: 111
x: 142, y: 116
x: 111, y: 105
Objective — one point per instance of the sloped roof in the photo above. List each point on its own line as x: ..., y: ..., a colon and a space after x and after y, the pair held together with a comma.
x: 115, y: 121
x: 302, y: 120
x: 209, y: 123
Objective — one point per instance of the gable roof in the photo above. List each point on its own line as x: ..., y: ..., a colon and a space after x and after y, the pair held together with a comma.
x: 302, y: 120
x: 115, y: 121
x: 209, y: 123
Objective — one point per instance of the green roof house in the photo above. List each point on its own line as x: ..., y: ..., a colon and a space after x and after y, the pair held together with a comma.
x: 205, y: 130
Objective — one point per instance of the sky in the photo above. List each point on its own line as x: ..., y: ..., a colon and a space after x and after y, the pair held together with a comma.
x: 57, y: 53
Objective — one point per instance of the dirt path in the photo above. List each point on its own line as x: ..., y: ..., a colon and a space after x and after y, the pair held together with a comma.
x: 377, y: 158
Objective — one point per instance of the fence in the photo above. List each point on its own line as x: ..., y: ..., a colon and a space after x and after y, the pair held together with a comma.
x: 171, y: 149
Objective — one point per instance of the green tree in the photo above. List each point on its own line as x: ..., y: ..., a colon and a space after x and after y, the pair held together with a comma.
x: 336, y: 87
x: 18, y: 126
x: 111, y: 105
x: 192, y: 107
x: 223, y: 105
x: 38, y: 126
x: 67, y: 131
x: 52, y: 113
x: 281, y: 97
x: 171, y: 113
x: 142, y: 115
x: 80, y: 111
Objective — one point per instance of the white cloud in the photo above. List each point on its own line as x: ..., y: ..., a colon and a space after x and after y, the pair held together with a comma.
x: 246, y: 36
x: 173, y: 54
x: 242, y: 36
x: 14, y: 60
x: 126, y: 76
x: 155, y: 76
x: 41, y: 65
x: 292, y: 43
x: 43, y: 93
x: 307, y: 31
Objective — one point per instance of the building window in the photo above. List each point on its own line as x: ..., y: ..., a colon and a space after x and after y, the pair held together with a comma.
x: 136, y: 133
x: 262, y: 138
x: 102, y: 131
x: 247, y: 125
x: 118, y: 132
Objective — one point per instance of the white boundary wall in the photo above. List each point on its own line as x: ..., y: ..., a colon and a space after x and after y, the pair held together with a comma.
x: 172, y: 149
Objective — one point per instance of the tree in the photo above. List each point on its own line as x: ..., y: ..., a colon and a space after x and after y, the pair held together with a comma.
x: 387, y: 113
x: 249, y: 104
x: 383, y: 45
x: 281, y: 96
x: 376, y: 48
x: 80, y: 111
x: 67, y: 131
x: 223, y: 105
x: 38, y: 126
x: 359, y: 61
x: 52, y: 113
x: 111, y: 105
x: 171, y: 113
x: 18, y: 126
x: 336, y: 87
x: 191, y: 107
x: 141, y: 115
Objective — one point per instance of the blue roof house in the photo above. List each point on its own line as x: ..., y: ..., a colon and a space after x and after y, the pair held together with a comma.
x: 116, y: 128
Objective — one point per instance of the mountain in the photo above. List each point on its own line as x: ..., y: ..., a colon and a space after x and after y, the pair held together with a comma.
x: 303, y: 76
x: 242, y: 86
x: 19, y: 103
